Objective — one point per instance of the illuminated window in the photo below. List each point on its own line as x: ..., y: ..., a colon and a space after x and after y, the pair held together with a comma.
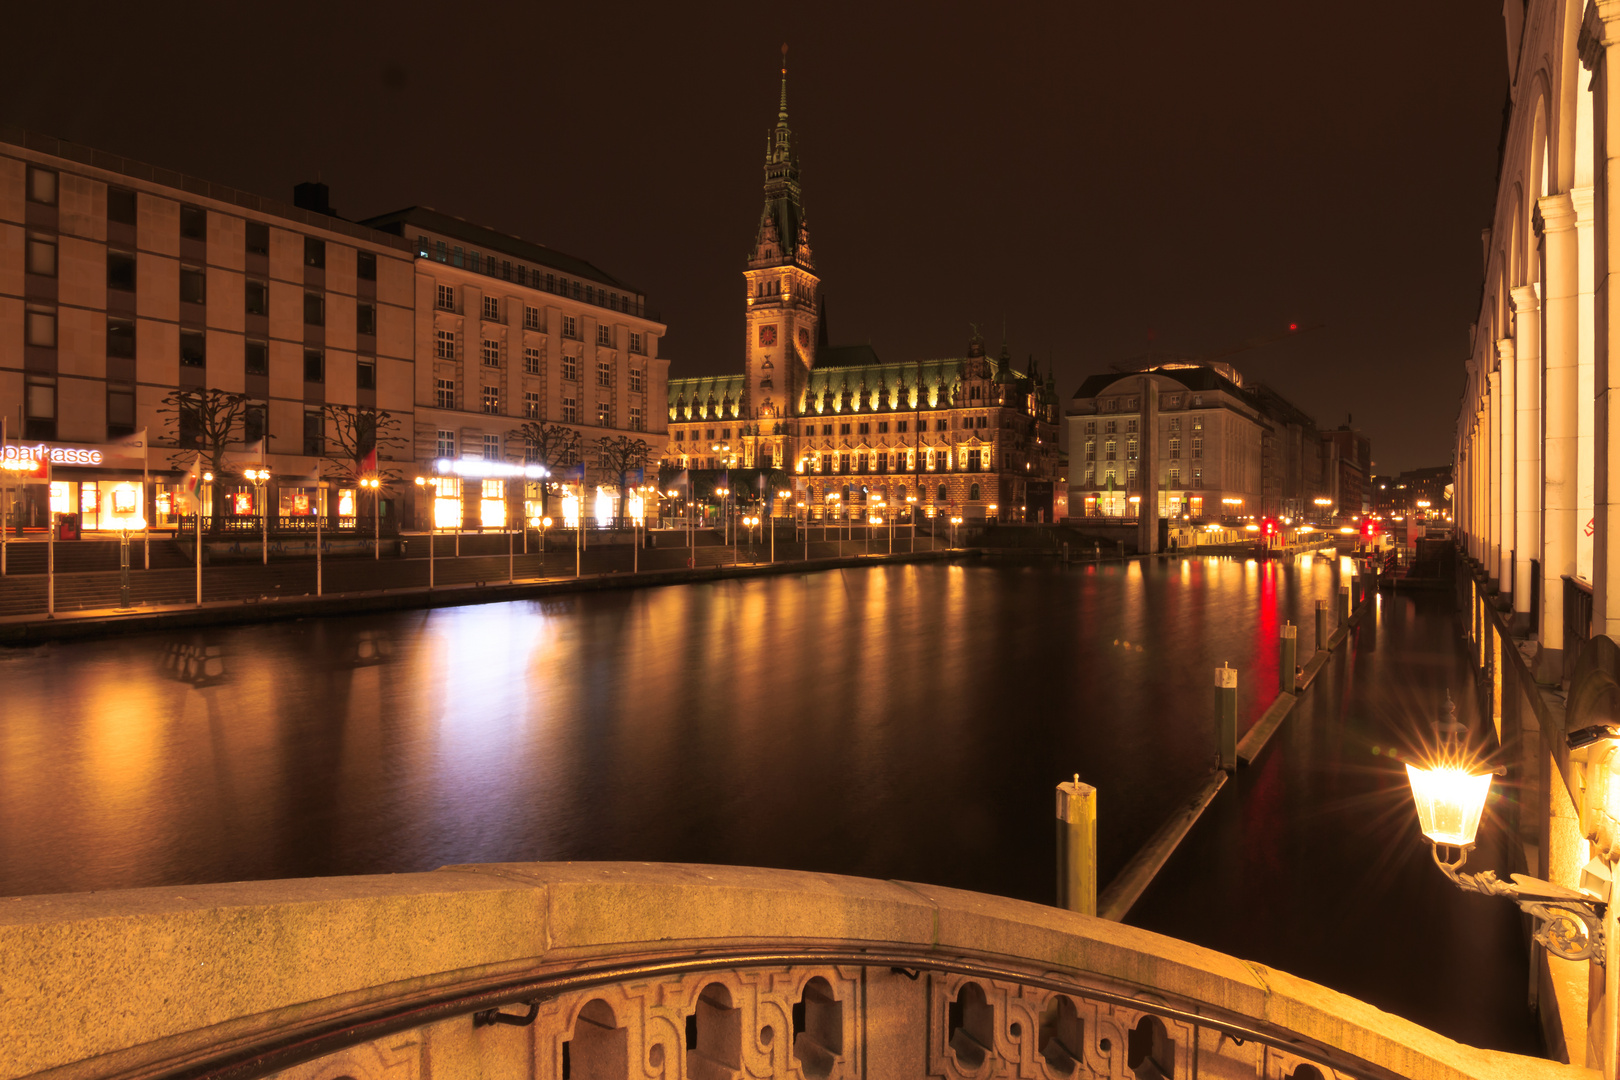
x: 604, y: 414
x: 61, y: 497
x: 531, y: 404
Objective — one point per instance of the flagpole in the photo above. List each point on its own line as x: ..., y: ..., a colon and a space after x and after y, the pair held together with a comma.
x: 5, y: 499
x: 146, y: 499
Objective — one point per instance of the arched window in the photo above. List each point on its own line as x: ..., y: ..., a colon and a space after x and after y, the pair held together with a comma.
x: 942, y: 495
x: 973, y: 493
x: 900, y: 493
x: 846, y: 493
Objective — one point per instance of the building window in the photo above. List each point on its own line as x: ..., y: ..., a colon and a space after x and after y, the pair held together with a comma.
x: 531, y: 404
x: 492, y: 354
x: 604, y: 336
x: 1091, y: 475
x: 531, y: 361
x: 193, y: 285
x: 638, y: 344
x: 570, y: 410
x: 604, y: 374
x: 492, y: 308
x: 314, y: 251
x: 121, y: 338
x: 635, y: 380
x: 41, y: 327
x: 1130, y: 448
x: 570, y: 368
x: 843, y: 429
x: 492, y: 400
x: 314, y: 309
x: 1175, y: 446
x: 1198, y: 476
x: 121, y: 271
x: 1175, y: 476
x: 492, y: 449
x: 1091, y: 427
x: 445, y: 391
x: 193, y: 348
x: 256, y: 357
x: 447, y: 444
x: 531, y: 318
x: 883, y: 427
x: 41, y: 257
x: 365, y: 372
x: 1198, y: 400
x: 900, y: 427
x: 680, y: 435
x: 121, y: 206
x: 447, y: 298
x: 314, y: 433
x: 365, y: 266
x: 365, y: 319
x: 1130, y: 425
x: 863, y: 429
x: 1198, y: 446
x: 258, y: 232
x: 1091, y: 449
x: 604, y: 414
x: 638, y: 421
x: 258, y: 298
x: 1109, y: 450
x: 314, y: 365
x: 1175, y: 423
x: 1110, y: 426
x: 570, y: 327
x: 42, y: 189
x: 444, y: 347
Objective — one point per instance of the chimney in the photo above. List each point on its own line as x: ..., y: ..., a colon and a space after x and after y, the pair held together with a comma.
x: 314, y: 196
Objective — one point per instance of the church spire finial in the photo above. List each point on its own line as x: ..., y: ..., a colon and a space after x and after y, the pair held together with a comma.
x: 781, y: 113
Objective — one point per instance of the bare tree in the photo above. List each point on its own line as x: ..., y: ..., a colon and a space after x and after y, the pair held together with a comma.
x: 203, y: 423
x: 551, y: 446
x: 621, y: 456
x: 352, y: 433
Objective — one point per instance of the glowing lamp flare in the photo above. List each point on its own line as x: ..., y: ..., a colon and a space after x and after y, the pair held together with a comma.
x: 1449, y: 803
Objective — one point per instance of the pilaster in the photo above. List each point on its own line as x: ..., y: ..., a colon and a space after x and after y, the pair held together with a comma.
x: 1503, y: 456
x: 1527, y: 443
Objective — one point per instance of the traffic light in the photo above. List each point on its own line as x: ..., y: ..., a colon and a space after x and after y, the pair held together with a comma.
x: 1268, y: 528
x: 1369, y: 530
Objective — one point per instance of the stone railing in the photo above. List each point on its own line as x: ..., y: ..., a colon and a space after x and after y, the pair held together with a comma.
x: 608, y: 971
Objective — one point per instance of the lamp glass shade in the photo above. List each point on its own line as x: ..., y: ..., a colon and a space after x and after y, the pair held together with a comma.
x: 1449, y: 803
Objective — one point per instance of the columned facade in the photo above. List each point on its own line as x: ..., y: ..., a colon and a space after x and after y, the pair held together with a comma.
x: 1537, y: 499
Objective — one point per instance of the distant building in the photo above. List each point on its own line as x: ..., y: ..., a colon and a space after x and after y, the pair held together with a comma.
x: 508, y: 331
x: 964, y: 435
x: 1189, y: 441
x: 1403, y: 495
x: 1351, y: 471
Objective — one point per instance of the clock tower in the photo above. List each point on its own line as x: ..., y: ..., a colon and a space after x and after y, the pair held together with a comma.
x: 782, y: 304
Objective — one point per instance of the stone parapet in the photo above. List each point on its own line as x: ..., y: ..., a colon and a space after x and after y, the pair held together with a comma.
x: 657, y: 971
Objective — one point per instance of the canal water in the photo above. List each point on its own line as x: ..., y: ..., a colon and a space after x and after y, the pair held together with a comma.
x: 903, y: 722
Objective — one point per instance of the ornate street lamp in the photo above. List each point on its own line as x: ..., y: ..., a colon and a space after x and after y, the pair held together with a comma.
x: 1450, y: 800
x: 259, y: 478
x: 374, y: 485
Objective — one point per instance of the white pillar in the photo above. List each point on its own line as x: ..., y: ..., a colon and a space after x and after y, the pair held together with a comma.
x: 1490, y: 497
x: 1581, y: 197
x: 1527, y: 440
x: 1503, y: 452
x: 1560, y: 421
x: 1599, y: 44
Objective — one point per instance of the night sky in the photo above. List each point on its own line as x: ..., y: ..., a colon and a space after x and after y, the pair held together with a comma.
x: 1088, y: 176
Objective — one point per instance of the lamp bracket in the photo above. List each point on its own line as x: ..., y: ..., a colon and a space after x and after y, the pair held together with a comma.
x: 1569, y: 924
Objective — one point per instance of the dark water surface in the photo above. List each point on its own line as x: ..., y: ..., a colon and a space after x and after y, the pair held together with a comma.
x: 894, y: 722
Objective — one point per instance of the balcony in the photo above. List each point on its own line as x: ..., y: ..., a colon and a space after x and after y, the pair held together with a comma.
x: 622, y: 970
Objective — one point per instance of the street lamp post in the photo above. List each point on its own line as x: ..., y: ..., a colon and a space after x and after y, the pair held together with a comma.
x: 374, y: 485
x: 955, y: 521
x: 320, y: 511
x: 259, y: 478
x: 911, y: 507
x: 426, y: 483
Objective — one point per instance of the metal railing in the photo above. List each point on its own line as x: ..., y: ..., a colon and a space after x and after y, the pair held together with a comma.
x: 1577, y: 621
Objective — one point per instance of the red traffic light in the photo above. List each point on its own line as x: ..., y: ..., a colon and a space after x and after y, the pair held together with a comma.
x: 1269, y: 526
x: 1293, y: 326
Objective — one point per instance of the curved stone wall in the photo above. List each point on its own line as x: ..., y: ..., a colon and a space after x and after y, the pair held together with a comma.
x: 604, y: 971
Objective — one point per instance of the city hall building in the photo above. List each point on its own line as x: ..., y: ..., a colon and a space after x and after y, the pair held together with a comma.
x: 967, y: 436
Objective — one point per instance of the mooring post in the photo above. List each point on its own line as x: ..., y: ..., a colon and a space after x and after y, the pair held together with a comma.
x: 1226, y: 718
x: 1321, y: 626
x: 1077, y: 846
x: 1344, y: 605
x: 1286, y: 667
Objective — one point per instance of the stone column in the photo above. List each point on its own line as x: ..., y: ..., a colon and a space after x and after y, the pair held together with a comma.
x: 1581, y: 198
x: 1503, y: 455
x: 1561, y: 421
x: 1527, y: 442
x: 1600, y: 50
x: 1491, y: 496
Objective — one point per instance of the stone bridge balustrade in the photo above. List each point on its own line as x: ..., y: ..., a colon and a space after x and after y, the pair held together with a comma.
x: 611, y: 971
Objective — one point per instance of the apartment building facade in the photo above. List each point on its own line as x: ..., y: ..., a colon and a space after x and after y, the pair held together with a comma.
x: 121, y: 283
x: 509, y: 332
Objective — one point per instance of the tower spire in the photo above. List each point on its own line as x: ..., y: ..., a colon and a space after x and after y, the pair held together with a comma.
x: 781, y: 112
